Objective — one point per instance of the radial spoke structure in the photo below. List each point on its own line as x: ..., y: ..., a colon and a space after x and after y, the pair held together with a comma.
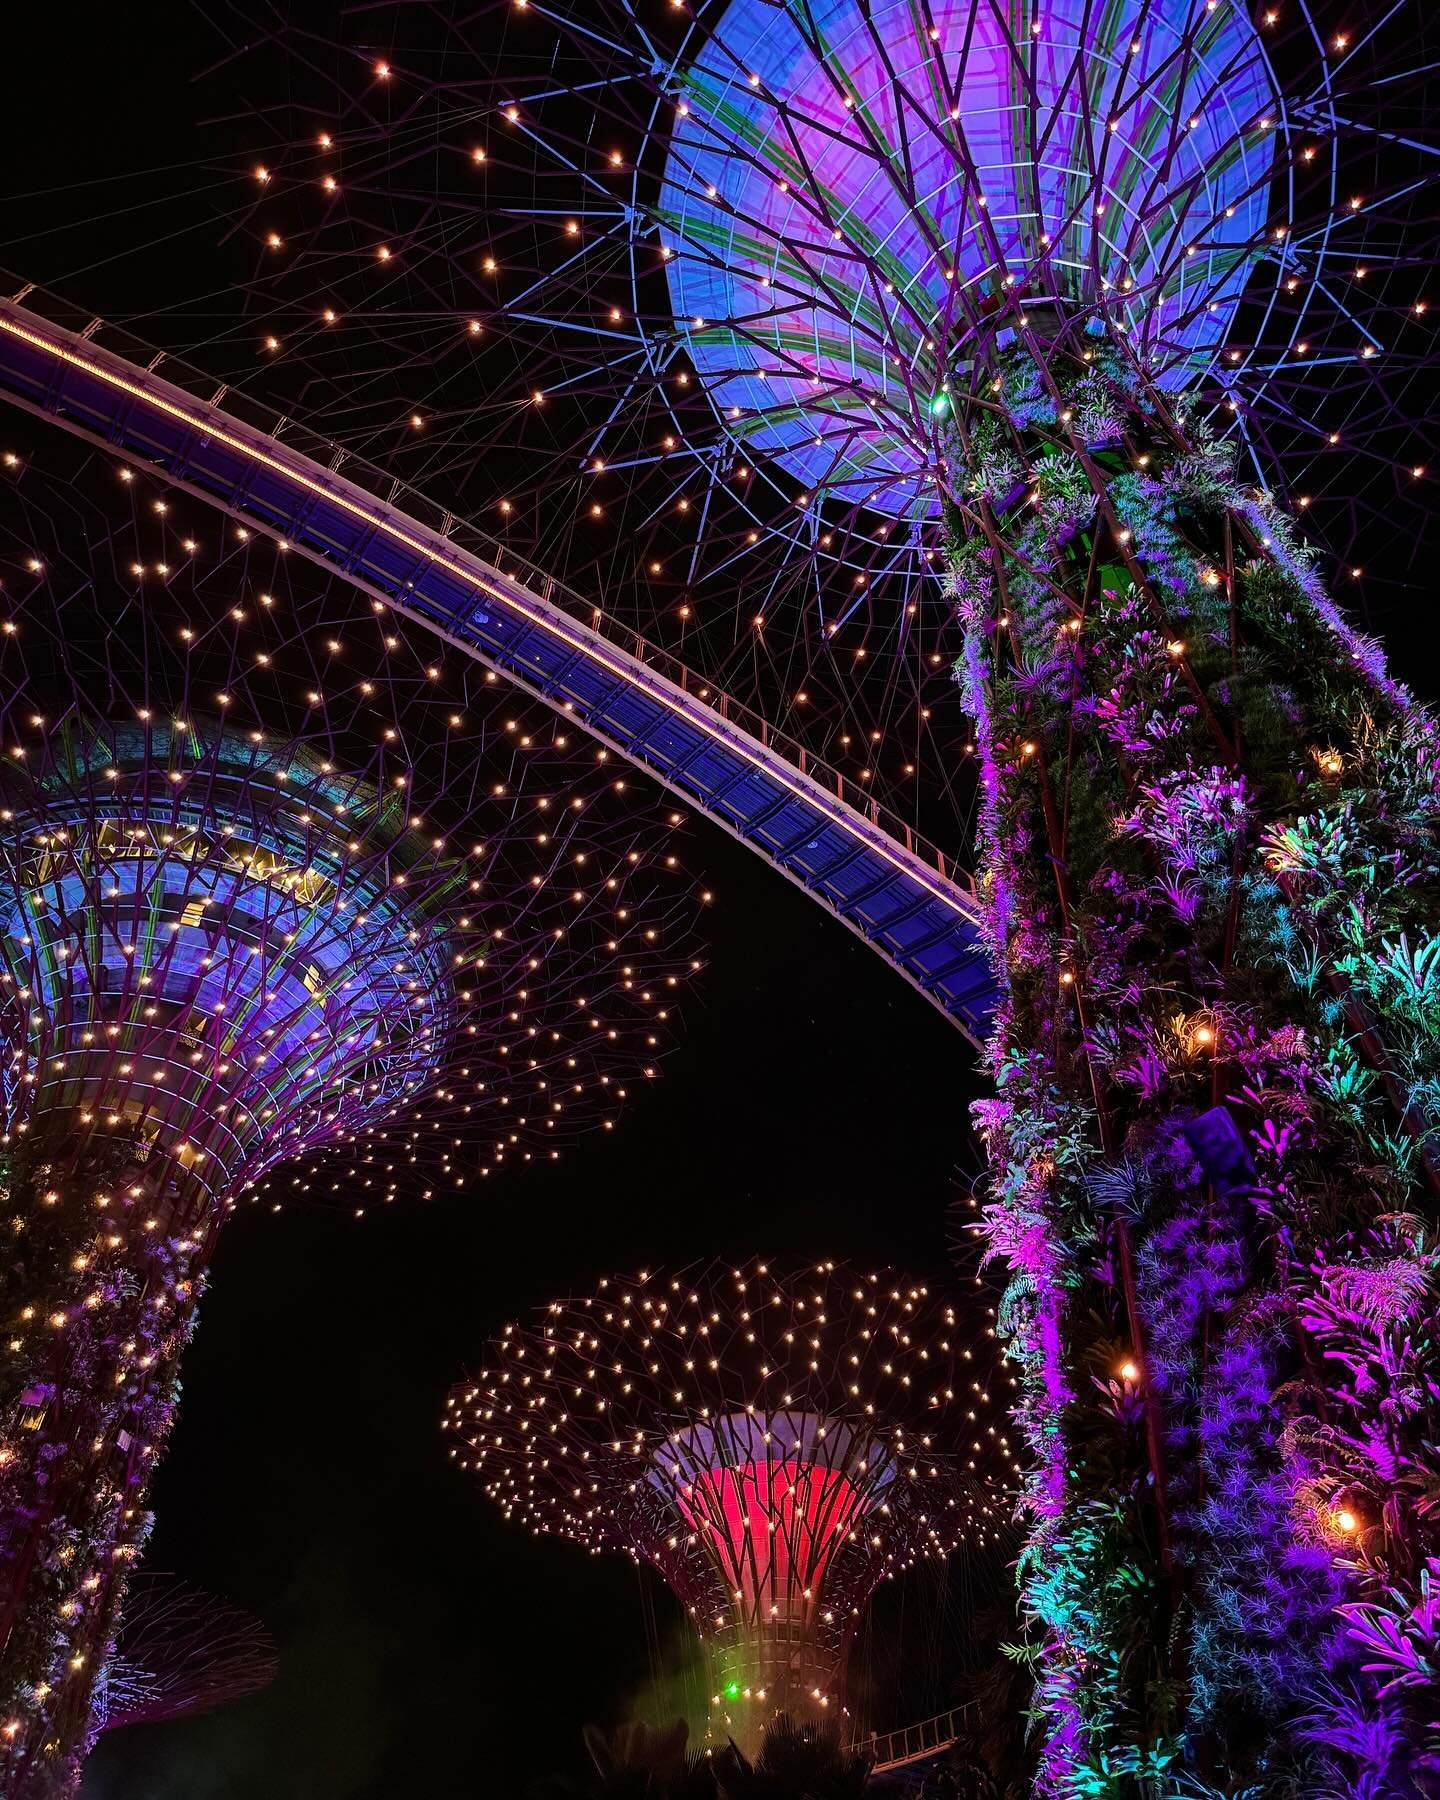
x: 182, y: 1652
x: 668, y: 303
x: 775, y: 1442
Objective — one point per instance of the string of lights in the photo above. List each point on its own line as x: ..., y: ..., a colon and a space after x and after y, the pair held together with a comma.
x: 851, y: 352
x: 670, y: 303
x: 774, y: 1441
x: 291, y: 903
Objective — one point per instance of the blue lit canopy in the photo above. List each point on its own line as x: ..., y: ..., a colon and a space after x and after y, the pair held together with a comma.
x: 235, y: 923
x: 853, y: 194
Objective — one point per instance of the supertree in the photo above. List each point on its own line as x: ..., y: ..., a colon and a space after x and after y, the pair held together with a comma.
x: 483, y: 249
x: 848, y: 346
x: 281, y: 883
x: 774, y: 1440
x: 181, y: 1652
x: 865, y: 344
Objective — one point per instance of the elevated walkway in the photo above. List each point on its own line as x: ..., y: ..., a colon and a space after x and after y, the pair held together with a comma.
x: 905, y: 898
x: 915, y: 1743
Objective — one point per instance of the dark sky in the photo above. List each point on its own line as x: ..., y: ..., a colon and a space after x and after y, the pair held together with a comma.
x: 818, y: 1107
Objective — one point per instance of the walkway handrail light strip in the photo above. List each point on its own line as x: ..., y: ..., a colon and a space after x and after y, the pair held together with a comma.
x: 910, y: 902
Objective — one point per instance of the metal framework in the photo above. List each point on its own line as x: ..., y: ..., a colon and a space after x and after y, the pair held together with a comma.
x: 775, y: 1442
x: 670, y: 309
x: 181, y: 1652
x: 669, y: 304
x: 327, y: 846
x: 911, y: 902
x: 920, y: 1742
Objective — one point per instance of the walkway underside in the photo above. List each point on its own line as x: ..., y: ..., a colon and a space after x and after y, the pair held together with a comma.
x: 915, y: 908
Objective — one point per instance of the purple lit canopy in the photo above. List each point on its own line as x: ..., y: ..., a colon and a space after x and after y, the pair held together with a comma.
x: 849, y: 188
x: 279, y: 876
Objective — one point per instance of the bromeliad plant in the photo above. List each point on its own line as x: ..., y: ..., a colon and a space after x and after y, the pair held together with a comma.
x: 1211, y: 853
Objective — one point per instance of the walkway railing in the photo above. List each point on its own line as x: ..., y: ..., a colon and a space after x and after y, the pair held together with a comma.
x: 903, y: 895
x: 914, y: 1743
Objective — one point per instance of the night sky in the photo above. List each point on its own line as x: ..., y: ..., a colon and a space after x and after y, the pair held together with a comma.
x: 816, y: 1107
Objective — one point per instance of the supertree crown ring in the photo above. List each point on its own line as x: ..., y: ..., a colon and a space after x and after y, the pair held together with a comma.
x: 775, y: 1441
x: 857, y: 199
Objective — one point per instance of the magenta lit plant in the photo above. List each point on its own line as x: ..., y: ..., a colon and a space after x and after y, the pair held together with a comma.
x: 1211, y: 850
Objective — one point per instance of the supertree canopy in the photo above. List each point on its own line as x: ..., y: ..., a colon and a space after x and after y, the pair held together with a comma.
x: 670, y: 298
x: 829, y: 278
x: 280, y: 883
x: 181, y: 1652
x: 774, y: 1441
x: 238, y: 904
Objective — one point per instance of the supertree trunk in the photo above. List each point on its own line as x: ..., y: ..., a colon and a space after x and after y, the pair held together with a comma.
x: 105, y: 1248
x: 1211, y: 851
x: 241, y: 959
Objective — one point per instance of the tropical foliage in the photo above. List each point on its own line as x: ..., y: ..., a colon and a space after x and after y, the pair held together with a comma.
x: 1212, y: 862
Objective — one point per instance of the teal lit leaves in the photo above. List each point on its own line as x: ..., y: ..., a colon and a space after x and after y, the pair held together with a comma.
x: 1285, y: 893
x: 1408, y: 980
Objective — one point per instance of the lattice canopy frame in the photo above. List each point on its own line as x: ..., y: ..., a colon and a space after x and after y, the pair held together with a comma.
x: 182, y: 1652
x: 671, y: 303
x: 774, y: 1441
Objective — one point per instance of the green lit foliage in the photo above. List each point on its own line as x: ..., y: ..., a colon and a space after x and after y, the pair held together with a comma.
x: 1211, y: 848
